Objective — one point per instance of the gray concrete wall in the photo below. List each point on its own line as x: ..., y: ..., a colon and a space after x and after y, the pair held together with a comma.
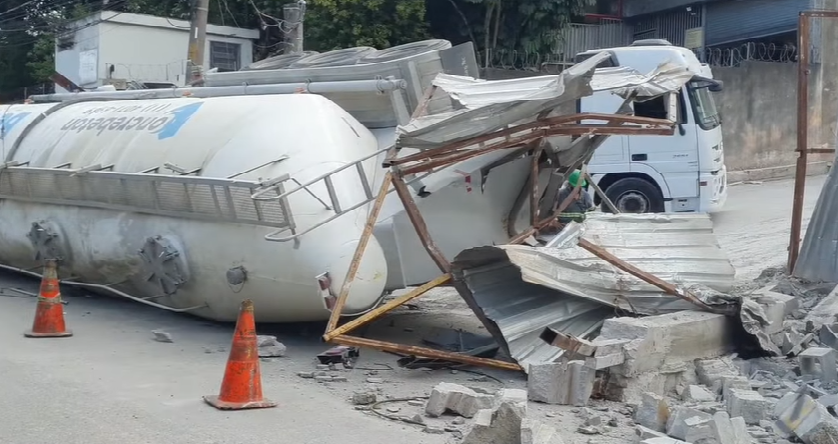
x: 759, y: 114
x: 759, y: 110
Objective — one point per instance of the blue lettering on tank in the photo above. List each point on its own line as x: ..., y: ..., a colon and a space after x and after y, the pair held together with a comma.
x: 156, y: 119
x: 173, y: 126
x: 8, y: 121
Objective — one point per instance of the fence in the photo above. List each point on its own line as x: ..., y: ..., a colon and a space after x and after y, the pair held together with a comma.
x: 18, y: 95
x: 751, y: 51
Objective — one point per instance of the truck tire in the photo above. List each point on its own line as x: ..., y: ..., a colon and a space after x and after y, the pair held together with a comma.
x: 634, y: 195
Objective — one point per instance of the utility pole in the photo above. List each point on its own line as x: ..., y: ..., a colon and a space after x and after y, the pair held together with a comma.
x: 294, y: 14
x: 197, y: 41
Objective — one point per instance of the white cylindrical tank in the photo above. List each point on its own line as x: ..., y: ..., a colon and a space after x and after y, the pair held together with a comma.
x: 220, y: 137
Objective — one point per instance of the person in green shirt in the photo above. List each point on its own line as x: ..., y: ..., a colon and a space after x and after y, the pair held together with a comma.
x: 582, y: 202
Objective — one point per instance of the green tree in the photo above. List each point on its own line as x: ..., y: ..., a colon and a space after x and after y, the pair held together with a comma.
x: 522, y: 25
x: 335, y: 24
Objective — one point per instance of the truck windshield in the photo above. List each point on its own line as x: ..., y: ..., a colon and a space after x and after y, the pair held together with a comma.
x: 704, y: 107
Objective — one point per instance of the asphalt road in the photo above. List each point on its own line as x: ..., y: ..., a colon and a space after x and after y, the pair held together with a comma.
x: 111, y: 383
x: 754, y: 226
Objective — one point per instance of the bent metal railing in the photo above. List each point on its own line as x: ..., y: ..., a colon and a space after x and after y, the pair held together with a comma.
x: 264, y: 195
x: 180, y: 196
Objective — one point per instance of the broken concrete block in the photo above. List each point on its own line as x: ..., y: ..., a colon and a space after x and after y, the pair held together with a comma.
x: 517, y: 397
x: 536, y: 432
x: 564, y: 383
x: 824, y: 312
x: 501, y: 425
x: 797, y: 349
x: 713, y: 372
x: 777, y: 306
x: 678, y: 427
x: 607, y: 347
x: 363, y: 398
x: 479, y: 431
x: 740, y: 431
x: 607, y: 361
x: 457, y: 399
x: 646, y: 433
x: 819, y: 362
x: 698, y: 430
x: 828, y: 400
x: 162, y: 336
x: 697, y: 393
x: 828, y: 336
x: 807, y: 419
x: 738, y: 382
x: 269, y: 347
x: 672, y: 337
x: 653, y: 412
x: 506, y: 423
x: 748, y: 404
x: 723, y: 430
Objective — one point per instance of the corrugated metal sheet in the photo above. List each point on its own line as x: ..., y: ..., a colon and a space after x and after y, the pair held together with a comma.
x: 733, y: 21
x: 818, y: 261
x: 633, y: 8
x: 493, y: 105
x: 672, y: 25
x: 523, y: 289
x: 521, y: 310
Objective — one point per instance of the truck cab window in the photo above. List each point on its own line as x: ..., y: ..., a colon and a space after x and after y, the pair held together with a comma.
x: 655, y: 108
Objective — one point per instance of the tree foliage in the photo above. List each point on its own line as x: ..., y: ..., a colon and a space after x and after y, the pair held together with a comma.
x: 335, y: 24
x: 28, y: 27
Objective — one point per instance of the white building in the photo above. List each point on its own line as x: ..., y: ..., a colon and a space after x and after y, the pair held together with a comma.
x: 111, y: 47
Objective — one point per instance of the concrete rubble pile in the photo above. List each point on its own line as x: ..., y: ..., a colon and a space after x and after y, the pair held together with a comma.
x: 499, y: 418
x: 680, y: 375
x: 709, y: 362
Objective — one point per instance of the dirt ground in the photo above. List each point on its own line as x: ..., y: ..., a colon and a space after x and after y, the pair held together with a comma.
x: 111, y: 382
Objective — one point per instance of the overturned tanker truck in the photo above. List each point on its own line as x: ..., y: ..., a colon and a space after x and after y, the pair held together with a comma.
x: 192, y: 199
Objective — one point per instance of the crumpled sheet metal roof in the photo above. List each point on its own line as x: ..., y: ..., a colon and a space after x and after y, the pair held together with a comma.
x: 523, y: 289
x: 521, y: 310
x: 817, y: 261
x: 494, y: 105
x: 475, y: 93
x: 680, y: 249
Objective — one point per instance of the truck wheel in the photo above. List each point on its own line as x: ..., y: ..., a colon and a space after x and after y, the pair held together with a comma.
x: 634, y: 195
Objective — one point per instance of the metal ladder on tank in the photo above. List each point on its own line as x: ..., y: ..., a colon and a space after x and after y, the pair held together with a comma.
x: 334, y: 203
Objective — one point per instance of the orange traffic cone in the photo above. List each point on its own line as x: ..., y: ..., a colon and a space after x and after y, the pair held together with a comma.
x: 242, y: 384
x: 49, y: 316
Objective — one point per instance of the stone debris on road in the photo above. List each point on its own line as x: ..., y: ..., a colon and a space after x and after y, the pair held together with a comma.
x: 269, y: 347
x: 162, y: 336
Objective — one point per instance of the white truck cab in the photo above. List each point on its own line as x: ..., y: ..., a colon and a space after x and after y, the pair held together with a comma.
x: 684, y: 172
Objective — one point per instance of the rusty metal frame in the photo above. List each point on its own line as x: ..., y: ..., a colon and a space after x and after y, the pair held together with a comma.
x: 803, y: 41
x: 517, y: 137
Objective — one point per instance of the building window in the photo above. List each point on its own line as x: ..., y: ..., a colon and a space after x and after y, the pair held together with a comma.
x: 225, y: 56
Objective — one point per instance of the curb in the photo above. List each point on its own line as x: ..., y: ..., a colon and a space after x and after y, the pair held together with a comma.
x: 773, y: 173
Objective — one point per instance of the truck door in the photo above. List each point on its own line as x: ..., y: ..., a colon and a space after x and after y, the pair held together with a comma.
x: 675, y: 157
x: 612, y: 155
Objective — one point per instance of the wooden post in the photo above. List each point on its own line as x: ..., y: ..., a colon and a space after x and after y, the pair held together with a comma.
x: 359, y: 253
x: 602, y: 195
x: 419, y: 224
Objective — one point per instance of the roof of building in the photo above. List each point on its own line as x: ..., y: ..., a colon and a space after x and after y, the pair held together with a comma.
x: 169, y: 23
